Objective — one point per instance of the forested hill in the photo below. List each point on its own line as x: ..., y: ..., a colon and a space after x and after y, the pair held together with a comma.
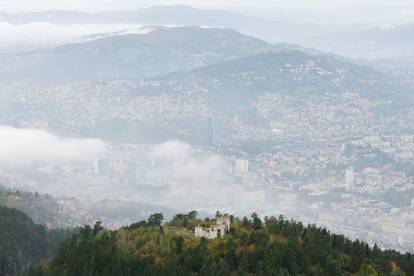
x: 23, y: 243
x: 274, y: 246
x: 42, y: 209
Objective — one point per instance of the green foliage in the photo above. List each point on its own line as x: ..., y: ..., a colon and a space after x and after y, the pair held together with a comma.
x: 257, y: 223
x: 188, y: 221
x: 367, y: 270
x: 274, y: 246
x: 23, y: 243
x: 155, y: 219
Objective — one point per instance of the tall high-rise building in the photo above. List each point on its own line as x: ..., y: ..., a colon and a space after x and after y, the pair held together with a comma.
x: 349, y: 176
x: 241, y: 167
x: 211, y: 131
x: 101, y: 166
x: 132, y: 173
x: 120, y: 166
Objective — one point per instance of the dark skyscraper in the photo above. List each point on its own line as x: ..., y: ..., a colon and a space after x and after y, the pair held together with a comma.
x: 210, y: 131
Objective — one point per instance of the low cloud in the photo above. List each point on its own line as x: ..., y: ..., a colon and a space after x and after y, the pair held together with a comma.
x: 200, y: 180
x: 46, y: 35
x: 23, y: 147
x: 195, y: 179
x: 179, y: 160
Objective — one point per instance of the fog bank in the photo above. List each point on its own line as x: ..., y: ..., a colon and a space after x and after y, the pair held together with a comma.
x: 23, y: 147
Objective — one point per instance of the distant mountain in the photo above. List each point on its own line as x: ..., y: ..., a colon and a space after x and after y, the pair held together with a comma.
x: 288, y: 72
x: 274, y: 246
x: 296, y: 89
x: 275, y: 31
x: 134, y: 56
x: 24, y: 243
x: 393, y: 44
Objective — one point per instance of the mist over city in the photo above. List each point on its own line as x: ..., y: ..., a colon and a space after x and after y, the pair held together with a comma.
x: 113, y: 112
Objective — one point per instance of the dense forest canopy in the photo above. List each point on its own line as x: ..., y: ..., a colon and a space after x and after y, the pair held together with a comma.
x: 24, y: 243
x: 252, y: 246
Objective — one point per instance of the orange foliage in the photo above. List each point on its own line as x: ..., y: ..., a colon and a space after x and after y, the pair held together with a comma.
x: 281, y: 237
x: 393, y: 265
x: 251, y: 248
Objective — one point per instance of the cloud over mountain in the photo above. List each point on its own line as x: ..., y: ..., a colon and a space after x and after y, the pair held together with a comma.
x: 29, y: 36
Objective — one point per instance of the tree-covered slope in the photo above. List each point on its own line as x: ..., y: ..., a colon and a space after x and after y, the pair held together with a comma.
x: 46, y: 210
x: 23, y: 243
x: 274, y: 246
x: 42, y: 209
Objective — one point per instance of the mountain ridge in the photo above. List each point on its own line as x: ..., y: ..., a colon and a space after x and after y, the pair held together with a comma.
x: 293, y: 70
x: 136, y: 56
x: 179, y: 15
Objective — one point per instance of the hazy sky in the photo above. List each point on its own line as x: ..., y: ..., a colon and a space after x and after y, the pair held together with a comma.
x: 30, y: 5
